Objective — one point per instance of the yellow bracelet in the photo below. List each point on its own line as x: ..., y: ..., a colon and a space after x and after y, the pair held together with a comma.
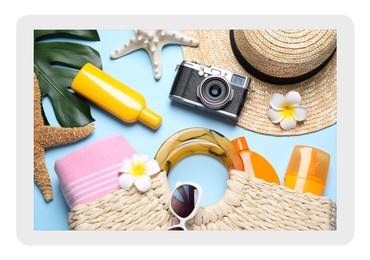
x: 198, y: 140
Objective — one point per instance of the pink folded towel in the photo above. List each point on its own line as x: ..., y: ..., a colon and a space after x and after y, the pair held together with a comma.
x: 91, y: 172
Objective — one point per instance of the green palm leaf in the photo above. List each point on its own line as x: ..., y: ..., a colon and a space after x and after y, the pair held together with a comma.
x: 56, y: 64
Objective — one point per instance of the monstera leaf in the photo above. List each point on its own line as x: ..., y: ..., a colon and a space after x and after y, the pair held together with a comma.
x: 56, y: 63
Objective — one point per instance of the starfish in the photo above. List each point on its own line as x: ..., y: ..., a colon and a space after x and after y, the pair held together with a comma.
x: 153, y: 41
x: 45, y: 136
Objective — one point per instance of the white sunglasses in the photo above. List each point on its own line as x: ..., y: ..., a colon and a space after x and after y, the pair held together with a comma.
x: 184, y: 203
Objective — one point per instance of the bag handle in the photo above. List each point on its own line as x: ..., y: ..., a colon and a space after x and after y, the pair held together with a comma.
x: 198, y: 140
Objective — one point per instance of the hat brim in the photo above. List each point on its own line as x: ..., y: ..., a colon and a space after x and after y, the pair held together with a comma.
x: 319, y: 93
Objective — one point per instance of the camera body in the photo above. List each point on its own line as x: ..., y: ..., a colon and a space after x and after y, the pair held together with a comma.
x: 210, y: 88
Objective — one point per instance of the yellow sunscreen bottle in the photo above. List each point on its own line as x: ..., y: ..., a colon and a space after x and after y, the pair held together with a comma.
x: 254, y: 164
x: 114, y: 96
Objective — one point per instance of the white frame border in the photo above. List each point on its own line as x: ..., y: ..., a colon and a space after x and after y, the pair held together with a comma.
x: 345, y: 129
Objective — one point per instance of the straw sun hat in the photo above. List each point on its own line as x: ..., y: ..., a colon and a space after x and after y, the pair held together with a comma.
x: 278, y: 61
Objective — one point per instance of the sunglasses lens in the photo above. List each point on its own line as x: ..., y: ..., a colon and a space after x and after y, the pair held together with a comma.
x: 176, y: 229
x: 184, y: 200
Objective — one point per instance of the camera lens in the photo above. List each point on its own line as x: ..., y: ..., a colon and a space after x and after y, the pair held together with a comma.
x: 215, y: 92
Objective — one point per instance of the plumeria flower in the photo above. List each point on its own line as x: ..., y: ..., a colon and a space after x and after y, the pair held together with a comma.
x: 286, y: 110
x: 138, y: 170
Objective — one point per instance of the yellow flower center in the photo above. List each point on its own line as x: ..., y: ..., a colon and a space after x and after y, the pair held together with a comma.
x: 138, y: 169
x: 288, y: 110
x: 287, y: 106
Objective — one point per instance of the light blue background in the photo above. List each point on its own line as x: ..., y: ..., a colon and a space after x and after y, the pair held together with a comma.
x: 135, y: 71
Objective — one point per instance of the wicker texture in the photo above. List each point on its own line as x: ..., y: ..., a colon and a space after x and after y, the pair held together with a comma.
x: 286, y: 53
x: 248, y: 204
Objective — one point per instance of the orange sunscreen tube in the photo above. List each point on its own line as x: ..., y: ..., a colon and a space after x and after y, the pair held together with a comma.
x: 254, y: 164
x: 114, y: 96
x: 307, y: 170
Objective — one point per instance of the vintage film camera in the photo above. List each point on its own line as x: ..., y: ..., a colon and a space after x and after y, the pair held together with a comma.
x: 210, y: 88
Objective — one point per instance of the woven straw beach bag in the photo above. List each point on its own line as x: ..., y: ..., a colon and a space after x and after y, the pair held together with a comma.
x: 248, y: 203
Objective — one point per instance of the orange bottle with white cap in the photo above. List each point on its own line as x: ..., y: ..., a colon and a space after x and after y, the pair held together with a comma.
x: 113, y: 96
x: 255, y: 165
